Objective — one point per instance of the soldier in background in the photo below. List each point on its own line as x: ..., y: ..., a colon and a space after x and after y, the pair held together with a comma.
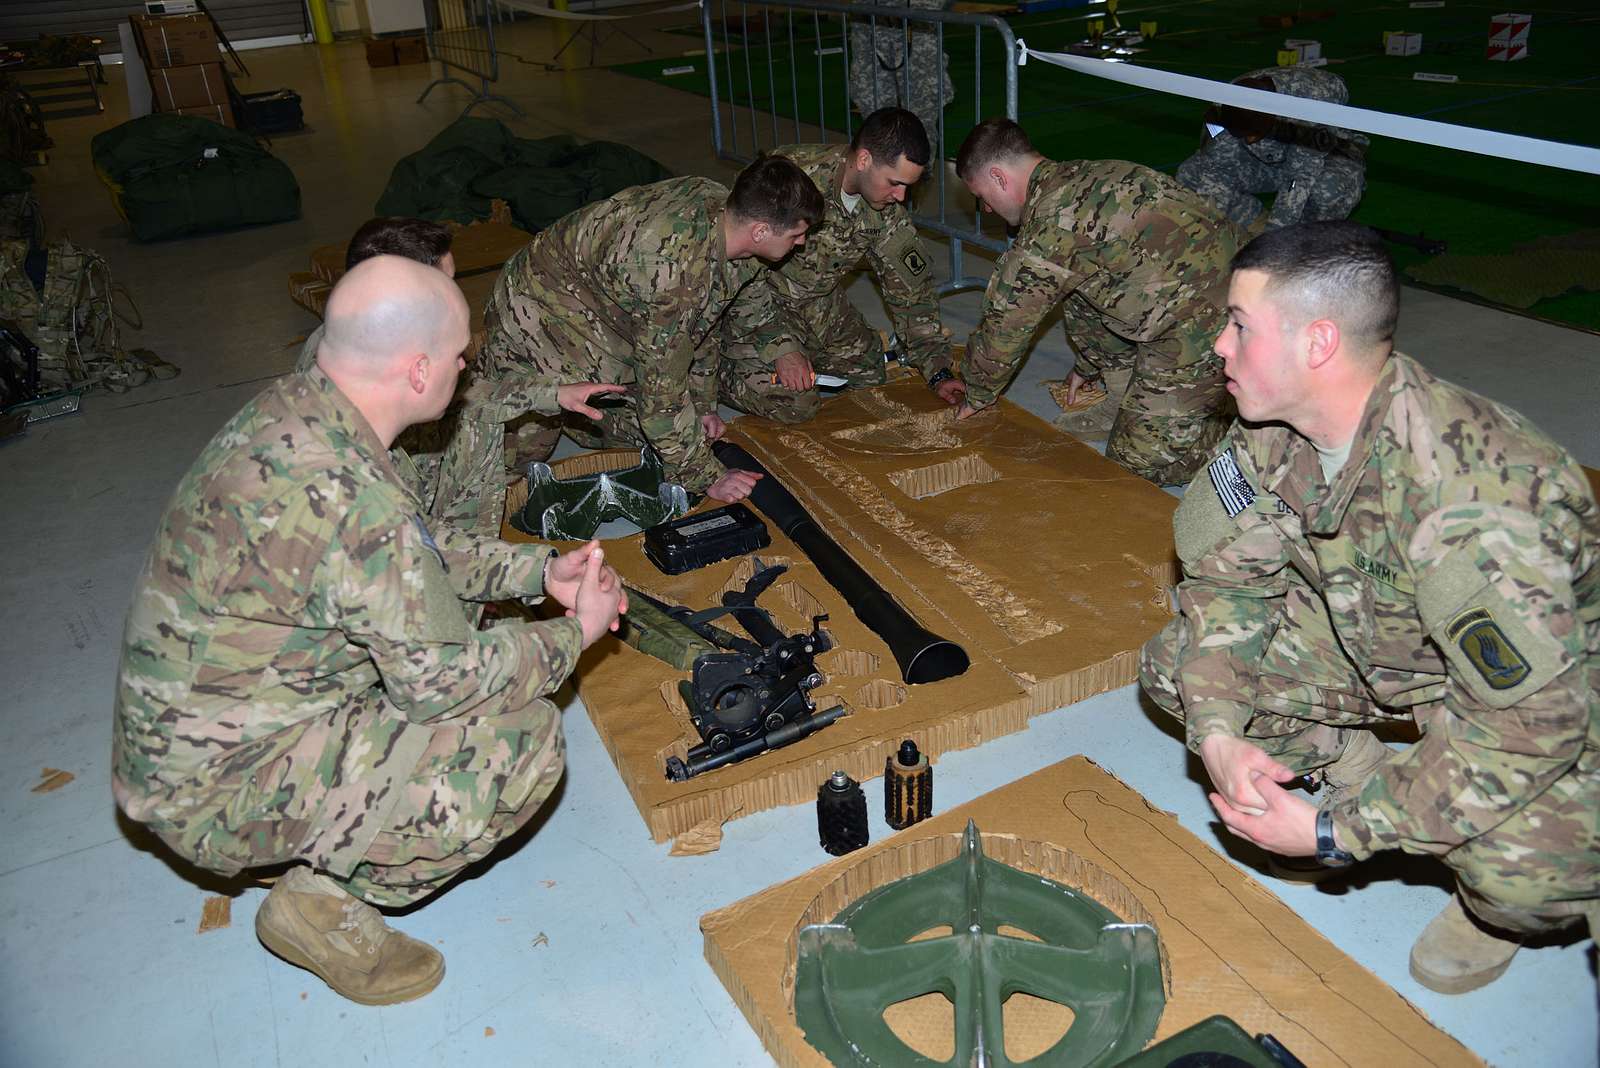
x: 899, y: 64
x: 1374, y: 544
x: 426, y: 444
x: 299, y: 681
x: 864, y: 185
x: 637, y: 289
x: 1138, y: 265
x: 1316, y: 172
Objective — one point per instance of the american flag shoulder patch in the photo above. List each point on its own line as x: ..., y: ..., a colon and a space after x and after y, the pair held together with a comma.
x: 1236, y: 493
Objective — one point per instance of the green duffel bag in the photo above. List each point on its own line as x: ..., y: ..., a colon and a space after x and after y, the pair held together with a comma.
x: 177, y: 175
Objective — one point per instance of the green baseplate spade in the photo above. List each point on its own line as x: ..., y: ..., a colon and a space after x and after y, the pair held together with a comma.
x: 1106, y: 971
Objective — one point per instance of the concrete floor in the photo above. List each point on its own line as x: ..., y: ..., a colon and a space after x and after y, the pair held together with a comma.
x: 581, y: 945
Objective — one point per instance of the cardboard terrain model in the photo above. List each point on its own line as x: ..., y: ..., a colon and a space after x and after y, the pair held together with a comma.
x: 1228, y: 945
x: 480, y: 249
x: 1049, y: 564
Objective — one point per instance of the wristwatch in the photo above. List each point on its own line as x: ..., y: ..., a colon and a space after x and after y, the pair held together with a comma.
x: 1329, y: 855
x: 944, y: 374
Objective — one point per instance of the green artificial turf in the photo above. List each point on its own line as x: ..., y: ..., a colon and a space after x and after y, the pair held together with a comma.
x: 1478, y: 204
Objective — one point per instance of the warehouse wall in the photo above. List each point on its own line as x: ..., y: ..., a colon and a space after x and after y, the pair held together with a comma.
x: 241, y: 20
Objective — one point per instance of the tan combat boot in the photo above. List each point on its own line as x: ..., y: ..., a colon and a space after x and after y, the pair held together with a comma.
x: 1456, y: 953
x: 311, y: 922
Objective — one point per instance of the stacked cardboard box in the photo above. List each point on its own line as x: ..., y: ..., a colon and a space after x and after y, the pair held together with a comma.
x: 180, y: 56
x: 396, y: 51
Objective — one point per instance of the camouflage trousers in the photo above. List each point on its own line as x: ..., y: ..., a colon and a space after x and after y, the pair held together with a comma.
x: 836, y: 340
x: 1308, y: 187
x: 1177, y: 406
x: 884, y: 73
x: 392, y: 810
x: 1537, y: 871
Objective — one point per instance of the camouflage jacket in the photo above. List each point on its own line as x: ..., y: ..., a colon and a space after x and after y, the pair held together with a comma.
x: 837, y: 246
x: 290, y: 575
x: 1308, y: 83
x: 1457, y: 554
x: 649, y: 268
x: 1132, y: 247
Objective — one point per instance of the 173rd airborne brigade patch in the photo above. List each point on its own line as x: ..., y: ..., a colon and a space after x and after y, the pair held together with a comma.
x: 1487, y: 648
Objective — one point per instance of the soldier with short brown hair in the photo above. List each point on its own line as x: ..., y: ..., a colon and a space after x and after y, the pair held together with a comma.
x: 1138, y: 265
x: 864, y: 184
x: 1376, y: 545
x: 635, y: 289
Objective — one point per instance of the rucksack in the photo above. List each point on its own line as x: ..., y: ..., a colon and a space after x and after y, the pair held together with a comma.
x: 74, y: 319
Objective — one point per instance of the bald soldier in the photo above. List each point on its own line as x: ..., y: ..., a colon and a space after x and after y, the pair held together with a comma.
x: 299, y: 682
x: 429, y: 243
x: 1138, y: 265
x: 865, y: 184
x: 1373, y: 544
x: 635, y: 289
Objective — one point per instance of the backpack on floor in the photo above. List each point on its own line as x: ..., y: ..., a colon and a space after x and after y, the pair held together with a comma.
x: 74, y: 319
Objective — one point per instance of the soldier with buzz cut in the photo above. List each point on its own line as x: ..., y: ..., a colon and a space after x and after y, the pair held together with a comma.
x: 864, y: 184
x: 1138, y: 266
x: 1375, y: 545
x: 638, y: 289
x: 300, y: 684
x: 1315, y: 173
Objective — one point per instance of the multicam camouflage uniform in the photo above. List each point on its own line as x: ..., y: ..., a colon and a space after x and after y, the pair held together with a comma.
x: 1449, y: 575
x: 1317, y: 172
x: 1139, y: 266
x: 630, y: 289
x: 809, y: 290
x: 299, y: 680
x: 464, y: 486
x: 885, y: 73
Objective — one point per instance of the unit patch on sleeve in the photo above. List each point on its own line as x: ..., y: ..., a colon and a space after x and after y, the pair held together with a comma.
x: 1487, y: 648
x: 1236, y: 492
x: 915, y: 261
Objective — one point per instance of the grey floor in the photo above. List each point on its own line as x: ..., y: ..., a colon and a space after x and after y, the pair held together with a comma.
x: 581, y: 945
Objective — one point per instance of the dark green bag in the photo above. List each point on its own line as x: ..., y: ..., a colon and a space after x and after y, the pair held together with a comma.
x: 473, y: 162
x: 176, y: 175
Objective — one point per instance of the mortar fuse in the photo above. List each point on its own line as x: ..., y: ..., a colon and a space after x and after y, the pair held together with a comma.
x: 907, y: 787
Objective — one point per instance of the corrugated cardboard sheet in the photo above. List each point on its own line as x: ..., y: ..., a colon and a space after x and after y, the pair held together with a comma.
x: 1228, y: 944
x: 1046, y: 562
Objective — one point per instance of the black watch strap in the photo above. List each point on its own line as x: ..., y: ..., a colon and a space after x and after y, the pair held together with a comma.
x: 1329, y: 855
x: 943, y: 374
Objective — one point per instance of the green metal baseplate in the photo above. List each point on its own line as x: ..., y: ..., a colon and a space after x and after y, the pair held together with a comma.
x: 851, y: 970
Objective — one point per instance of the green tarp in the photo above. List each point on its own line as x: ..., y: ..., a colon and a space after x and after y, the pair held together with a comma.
x: 176, y: 175
x: 475, y: 161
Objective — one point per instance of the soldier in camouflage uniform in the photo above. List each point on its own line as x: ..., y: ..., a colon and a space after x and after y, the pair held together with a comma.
x: 299, y: 682
x: 1139, y: 267
x: 1374, y: 545
x: 864, y: 184
x: 1316, y: 172
x: 636, y: 289
x: 896, y: 63
x: 475, y: 462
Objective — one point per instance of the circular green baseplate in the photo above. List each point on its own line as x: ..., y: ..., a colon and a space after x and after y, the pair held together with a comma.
x: 850, y: 971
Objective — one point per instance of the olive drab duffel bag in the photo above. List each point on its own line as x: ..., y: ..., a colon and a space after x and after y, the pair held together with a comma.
x: 177, y: 175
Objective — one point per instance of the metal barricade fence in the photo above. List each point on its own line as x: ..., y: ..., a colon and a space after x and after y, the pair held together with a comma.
x: 461, y: 37
x: 883, y: 75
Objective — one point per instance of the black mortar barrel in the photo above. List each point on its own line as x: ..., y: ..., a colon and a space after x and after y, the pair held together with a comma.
x: 922, y: 655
